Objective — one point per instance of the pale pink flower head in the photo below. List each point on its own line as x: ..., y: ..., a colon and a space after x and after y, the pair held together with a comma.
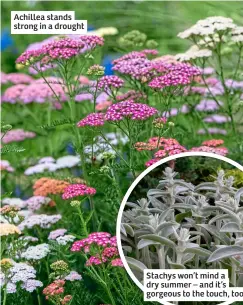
x: 103, y: 105
x: 94, y: 260
x: 75, y: 190
x: 93, y: 120
x: 12, y: 94
x: 17, y: 135
x: 223, y: 151
x: 117, y: 262
x: 17, y: 78
x: 129, y: 109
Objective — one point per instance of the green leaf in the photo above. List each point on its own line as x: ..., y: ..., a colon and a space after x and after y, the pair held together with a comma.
x: 182, y: 216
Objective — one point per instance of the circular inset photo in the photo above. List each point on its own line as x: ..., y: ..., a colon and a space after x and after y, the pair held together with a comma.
x: 186, y: 212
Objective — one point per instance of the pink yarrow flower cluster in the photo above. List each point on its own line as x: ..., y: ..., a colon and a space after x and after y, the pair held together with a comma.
x: 131, y: 95
x: 107, y: 245
x: 13, y: 93
x: 174, y: 75
x: 92, y: 119
x: 16, y: 78
x: 75, y: 190
x: 129, y: 109
x: 110, y: 82
x: 17, y: 135
x: 65, y: 48
x: 223, y: 151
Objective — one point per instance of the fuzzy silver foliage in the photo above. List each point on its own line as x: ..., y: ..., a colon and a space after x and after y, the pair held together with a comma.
x: 183, y: 226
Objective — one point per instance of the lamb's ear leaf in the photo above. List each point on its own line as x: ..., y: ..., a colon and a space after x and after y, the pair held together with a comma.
x: 144, y: 243
x: 135, y: 264
x: 213, y: 231
x: 164, y: 214
x: 218, y: 217
x: 206, y: 186
x: 159, y: 239
x: 174, y: 265
x: 123, y: 230
x: 132, y: 204
x: 182, y: 206
x: 232, y: 215
x: 225, y: 252
x: 129, y: 229
x: 231, y: 227
x: 238, y: 194
x: 182, y: 216
x: 198, y: 251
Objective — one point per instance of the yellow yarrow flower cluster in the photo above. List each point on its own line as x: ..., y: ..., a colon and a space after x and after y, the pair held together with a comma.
x: 7, y: 229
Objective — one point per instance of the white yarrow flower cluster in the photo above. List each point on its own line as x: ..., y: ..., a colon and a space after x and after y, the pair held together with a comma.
x: 237, y: 34
x: 51, y: 165
x: 73, y: 276
x: 14, y: 202
x: 34, y: 203
x: 20, y: 273
x: 193, y: 53
x: 63, y: 240
x: 208, y: 26
x: 42, y: 220
x: 36, y: 252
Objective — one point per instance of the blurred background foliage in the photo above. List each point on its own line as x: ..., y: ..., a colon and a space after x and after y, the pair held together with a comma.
x: 160, y: 20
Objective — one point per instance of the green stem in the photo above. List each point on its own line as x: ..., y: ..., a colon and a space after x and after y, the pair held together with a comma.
x: 5, y: 296
x: 82, y: 222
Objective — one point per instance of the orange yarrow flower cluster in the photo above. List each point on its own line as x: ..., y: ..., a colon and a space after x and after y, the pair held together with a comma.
x: 48, y: 186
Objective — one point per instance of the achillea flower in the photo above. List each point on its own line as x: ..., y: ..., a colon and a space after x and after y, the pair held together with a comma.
x: 6, y: 263
x: 36, y: 252
x: 54, y: 289
x: 23, y: 274
x: 174, y: 111
x: 75, y: 190
x: 42, y: 220
x: 34, y: 203
x: 117, y: 262
x: 16, y: 78
x: 160, y: 154
x: 73, y: 276
x: 31, y: 285
x: 138, y: 67
x: 56, y: 233
x: 97, y: 238
x: 9, y: 211
x: 94, y: 260
x: 212, y: 130
x: 8, y: 229
x: 217, y: 118
x: 92, y: 41
x: 46, y: 186
x: 59, y: 266
x: 92, y: 119
x: 41, y: 93
x: 208, y: 105
x: 66, y: 299
x: 131, y: 95
x: 213, y: 143
x: 129, y: 109
x: 17, y: 135
x: 65, y: 239
x: 110, y: 82
x: 156, y: 143
x: 159, y: 122
x: 110, y: 252
x: 5, y: 165
x: 16, y: 202
x: 103, y: 105
x: 96, y: 70
x: 223, y: 151
x: 84, y: 97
